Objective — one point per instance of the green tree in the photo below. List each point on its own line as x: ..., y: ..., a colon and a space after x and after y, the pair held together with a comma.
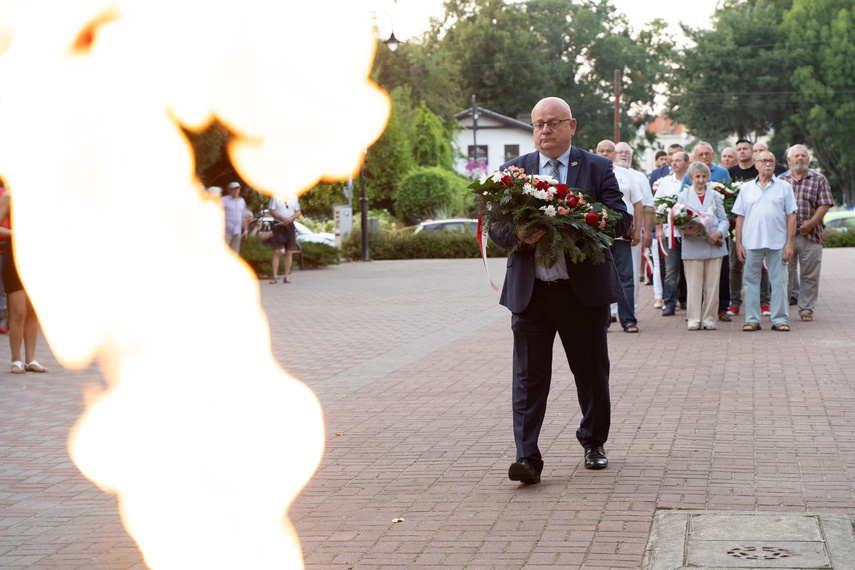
x: 388, y: 159
x: 431, y: 146
x: 512, y: 55
x: 820, y: 36
x: 735, y: 78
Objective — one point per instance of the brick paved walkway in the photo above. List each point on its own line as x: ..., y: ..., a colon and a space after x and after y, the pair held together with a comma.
x: 412, y: 362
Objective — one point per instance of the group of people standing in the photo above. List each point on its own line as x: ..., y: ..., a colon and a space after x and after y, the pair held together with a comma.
x: 282, y: 236
x: 775, y: 252
x: 778, y: 220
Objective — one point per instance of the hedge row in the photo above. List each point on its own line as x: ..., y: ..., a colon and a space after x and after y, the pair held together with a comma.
x: 835, y: 238
x: 260, y: 257
x: 423, y: 245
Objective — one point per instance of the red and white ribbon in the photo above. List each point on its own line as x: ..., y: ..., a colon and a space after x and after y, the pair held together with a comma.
x: 482, y: 242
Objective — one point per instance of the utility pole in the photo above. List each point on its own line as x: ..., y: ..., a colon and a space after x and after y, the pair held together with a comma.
x: 617, y: 106
x: 474, y: 130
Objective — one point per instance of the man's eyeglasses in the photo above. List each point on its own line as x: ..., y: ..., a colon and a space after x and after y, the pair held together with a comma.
x: 765, y: 161
x: 553, y: 124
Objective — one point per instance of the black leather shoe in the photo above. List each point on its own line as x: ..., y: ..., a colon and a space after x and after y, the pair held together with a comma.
x: 668, y: 312
x: 682, y: 305
x: 595, y: 458
x: 524, y: 472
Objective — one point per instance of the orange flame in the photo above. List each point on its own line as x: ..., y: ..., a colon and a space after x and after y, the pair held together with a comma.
x: 202, y: 436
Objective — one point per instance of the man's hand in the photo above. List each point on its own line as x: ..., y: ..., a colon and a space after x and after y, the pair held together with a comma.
x: 636, y: 239
x: 647, y: 240
x: 788, y: 252
x: 529, y: 236
x: 740, y: 252
x: 806, y: 228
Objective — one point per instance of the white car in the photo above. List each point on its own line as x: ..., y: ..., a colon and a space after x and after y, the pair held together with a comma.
x: 453, y: 225
x: 840, y: 221
x: 264, y: 223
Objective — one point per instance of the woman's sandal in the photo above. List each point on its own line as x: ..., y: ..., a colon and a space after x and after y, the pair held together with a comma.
x: 19, y: 365
x: 274, y: 281
x: 781, y: 327
x: 751, y: 327
x: 34, y: 366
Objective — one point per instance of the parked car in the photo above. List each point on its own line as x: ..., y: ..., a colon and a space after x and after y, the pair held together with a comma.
x: 840, y: 220
x: 262, y: 224
x: 453, y: 225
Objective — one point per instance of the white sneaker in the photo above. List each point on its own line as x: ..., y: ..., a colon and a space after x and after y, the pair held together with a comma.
x: 658, y: 304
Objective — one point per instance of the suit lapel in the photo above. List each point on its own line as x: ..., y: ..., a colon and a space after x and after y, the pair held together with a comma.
x: 532, y: 164
x: 573, y: 167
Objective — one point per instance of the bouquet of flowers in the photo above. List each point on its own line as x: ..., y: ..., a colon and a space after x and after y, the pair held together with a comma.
x: 729, y: 190
x: 572, y: 222
x: 662, y: 206
x: 683, y: 217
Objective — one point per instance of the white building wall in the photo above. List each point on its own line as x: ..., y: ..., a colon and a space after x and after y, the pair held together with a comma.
x: 494, y: 135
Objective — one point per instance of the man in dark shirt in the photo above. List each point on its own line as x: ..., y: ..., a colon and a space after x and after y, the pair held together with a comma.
x: 744, y: 169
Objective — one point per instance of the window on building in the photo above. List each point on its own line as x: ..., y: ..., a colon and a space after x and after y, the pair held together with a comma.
x: 511, y: 151
x: 481, y: 155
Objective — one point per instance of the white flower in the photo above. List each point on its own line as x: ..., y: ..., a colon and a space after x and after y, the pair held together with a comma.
x: 497, y: 176
x: 546, y: 178
x: 548, y: 210
x: 542, y: 194
x: 483, y: 178
x: 486, y: 193
x: 528, y: 189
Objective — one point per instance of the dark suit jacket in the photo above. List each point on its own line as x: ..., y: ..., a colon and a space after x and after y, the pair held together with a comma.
x: 593, y: 285
x: 660, y: 172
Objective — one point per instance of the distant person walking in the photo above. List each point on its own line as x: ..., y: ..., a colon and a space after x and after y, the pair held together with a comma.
x: 284, y: 209
x: 237, y: 221
x: 23, y: 323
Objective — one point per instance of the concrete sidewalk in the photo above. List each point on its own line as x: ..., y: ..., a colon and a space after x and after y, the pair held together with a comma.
x: 412, y: 362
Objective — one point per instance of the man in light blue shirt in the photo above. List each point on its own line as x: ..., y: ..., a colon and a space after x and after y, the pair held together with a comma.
x: 704, y: 153
x: 765, y: 226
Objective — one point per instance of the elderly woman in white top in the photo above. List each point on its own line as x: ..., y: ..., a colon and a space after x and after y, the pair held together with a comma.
x: 701, y: 256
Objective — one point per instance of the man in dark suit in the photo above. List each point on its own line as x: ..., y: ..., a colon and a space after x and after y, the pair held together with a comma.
x: 665, y: 169
x: 572, y: 300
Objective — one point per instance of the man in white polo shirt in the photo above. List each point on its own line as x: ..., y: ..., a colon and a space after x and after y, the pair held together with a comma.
x: 765, y: 227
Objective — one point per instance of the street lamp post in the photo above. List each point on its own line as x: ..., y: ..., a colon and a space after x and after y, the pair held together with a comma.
x: 392, y: 43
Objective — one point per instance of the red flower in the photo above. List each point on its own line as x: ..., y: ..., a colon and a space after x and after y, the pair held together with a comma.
x: 591, y: 219
x: 541, y: 185
x: 732, y: 223
x: 572, y: 201
x: 507, y: 181
x: 561, y: 190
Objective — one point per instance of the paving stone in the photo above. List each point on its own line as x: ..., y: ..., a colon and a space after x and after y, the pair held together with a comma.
x: 412, y: 362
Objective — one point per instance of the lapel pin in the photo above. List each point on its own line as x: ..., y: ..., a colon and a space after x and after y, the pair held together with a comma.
x: 573, y: 163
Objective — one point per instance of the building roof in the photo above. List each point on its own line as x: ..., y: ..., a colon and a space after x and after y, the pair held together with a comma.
x: 662, y: 125
x: 502, y: 119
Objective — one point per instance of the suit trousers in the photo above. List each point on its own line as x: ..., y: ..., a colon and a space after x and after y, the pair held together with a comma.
x: 582, y: 329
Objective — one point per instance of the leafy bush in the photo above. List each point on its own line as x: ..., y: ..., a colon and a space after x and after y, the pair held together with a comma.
x: 424, y: 245
x: 835, y: 238
x: 317, y: 255
x: 423, y: 190
x: 259, y: 256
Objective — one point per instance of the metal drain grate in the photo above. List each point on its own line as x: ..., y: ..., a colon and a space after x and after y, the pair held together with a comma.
x: 759, y: 552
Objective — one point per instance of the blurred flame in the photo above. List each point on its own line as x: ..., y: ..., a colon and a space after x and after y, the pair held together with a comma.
x: 203, y: 437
